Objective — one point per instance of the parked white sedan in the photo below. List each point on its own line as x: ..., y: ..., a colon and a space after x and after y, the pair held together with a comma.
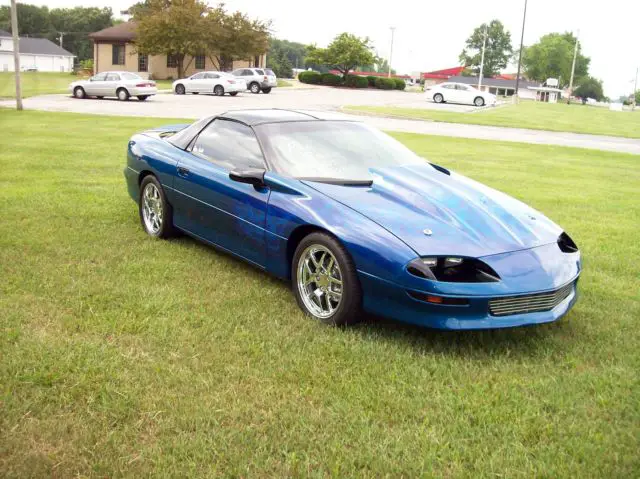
x: 459, y: 93
x: 122, y: 85
x: 217, y: 83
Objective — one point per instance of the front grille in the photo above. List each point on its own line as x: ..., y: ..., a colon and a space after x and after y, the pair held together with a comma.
x: 531, y: 303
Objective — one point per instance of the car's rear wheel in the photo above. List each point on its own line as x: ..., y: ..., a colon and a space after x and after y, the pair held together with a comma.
x: 122, y: 94
x: 143, y: 97
x: 233, y: 93
x: 266, y: 90
x: 325, y: 281
x: 99, y: 97
x: 79, y: 93
x: 156, y: 214
x: 438, y: 98
x: 255, y: 88
x: 218, y: 90
x: 180, y: 90
x: 479, y: 101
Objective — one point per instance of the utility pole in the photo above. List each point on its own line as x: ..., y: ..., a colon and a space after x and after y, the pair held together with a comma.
x: 393, y: 29
x: 484, y: 44
x: 61, y: 37
x: 573, y: 68
x: 524, y: 19
x: 16, y: 53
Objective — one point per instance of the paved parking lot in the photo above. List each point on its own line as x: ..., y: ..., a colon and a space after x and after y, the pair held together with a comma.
x: 322, y: 98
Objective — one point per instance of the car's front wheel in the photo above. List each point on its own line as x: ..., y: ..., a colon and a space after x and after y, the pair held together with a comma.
x: 180, y: 89
x: 218, y: 90
x: 325, y: 281
x: 438, y: 98
x: 156, y: 214
x: 78, y: 92
x: 479, y: 101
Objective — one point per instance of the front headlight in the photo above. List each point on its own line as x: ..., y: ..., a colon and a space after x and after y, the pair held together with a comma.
x: 452, y: 269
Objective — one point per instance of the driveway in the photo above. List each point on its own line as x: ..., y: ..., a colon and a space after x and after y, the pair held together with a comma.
x: 322, y: 98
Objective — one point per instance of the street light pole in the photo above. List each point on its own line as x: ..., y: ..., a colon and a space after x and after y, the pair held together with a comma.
x: 524, y: 19
x: 484, y: 44
x: 16, y: 53
x: 393, y: 29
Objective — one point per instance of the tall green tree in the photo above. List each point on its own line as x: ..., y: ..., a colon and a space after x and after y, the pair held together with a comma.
x: 589, y: 87
x: 284, y: 55
x: 552, y: 56
x: 344, y: 53
x: 34, y: 20
x: 498, y: 49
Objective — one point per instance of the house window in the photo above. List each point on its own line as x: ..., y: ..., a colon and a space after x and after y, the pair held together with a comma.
x: 143, y: 63
x: 172, y: 61
x: 199, y: 62
x: 117, y: 55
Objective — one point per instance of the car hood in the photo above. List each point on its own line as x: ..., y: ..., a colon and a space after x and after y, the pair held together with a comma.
x: 436, y: 213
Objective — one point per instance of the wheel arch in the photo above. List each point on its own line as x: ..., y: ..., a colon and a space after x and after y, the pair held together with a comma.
x: 143, y: 174
x: 297, y: 235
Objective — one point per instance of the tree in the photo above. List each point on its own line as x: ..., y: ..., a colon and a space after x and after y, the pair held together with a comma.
x: 172, y: 27
x: 589, y: 87
x: 345, y: 53
x: 552, y: 57
x: 278, y: 61
x: 34, y: 20
x: 637, y: 97
x: 498, y: 49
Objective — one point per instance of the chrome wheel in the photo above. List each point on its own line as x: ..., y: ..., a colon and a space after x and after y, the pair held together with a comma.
x: 319, y: 281
x: 479, y: 101
x: 255, y: 88
x: 152, y: 209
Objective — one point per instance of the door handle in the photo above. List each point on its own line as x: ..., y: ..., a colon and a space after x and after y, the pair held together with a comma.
x: 182, y: 171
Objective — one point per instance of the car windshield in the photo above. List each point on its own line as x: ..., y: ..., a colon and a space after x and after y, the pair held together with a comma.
x: 331, y: 150
x: 130, y: 76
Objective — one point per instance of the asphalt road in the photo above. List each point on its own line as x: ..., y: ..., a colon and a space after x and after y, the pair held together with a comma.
x: 318, y: 98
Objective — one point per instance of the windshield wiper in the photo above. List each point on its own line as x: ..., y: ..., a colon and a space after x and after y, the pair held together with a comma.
x: 339, y: 181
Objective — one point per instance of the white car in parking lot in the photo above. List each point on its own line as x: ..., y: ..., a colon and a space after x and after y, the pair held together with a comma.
x: 217, y: 83
x: 459, y: 93
x: 122, y: 85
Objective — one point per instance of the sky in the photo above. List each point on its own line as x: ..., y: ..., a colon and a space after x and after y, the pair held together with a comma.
x: 429, y: 35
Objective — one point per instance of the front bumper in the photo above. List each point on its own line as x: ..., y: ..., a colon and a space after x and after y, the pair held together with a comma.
x: 389, y: 299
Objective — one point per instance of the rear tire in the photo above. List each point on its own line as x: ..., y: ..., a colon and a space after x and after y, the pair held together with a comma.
x: 325, y: 282
x: 180, y: 89
x: 266, y: 90
x: 438, y: 98
x: 143, y: 97
x: 79, y: 93
x: 156, y: 214
x: 122, y: 94
x: 218, y: 90
x: 255, y: 88
x: 233, y: 93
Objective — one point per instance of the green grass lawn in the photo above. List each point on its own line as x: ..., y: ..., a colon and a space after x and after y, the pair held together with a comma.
x: 284, y: 83
x: 124, y: 355
x: 35, y: 83
x: 574, y: 118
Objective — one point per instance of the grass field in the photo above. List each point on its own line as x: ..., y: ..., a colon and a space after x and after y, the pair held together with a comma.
x: 125, y: 356
x: 574, y: 118
x: 35, y: 83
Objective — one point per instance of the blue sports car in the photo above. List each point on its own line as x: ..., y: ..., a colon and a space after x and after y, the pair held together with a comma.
x: 355, y: 220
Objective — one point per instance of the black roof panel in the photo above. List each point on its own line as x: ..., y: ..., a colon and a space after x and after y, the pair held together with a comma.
x: 256, y: 117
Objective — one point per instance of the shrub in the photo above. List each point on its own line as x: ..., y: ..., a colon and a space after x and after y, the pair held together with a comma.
x: 385, y: 83
x: 331, y: 79
x: 310, y: 77
x: 355, y: 81
x: 372, y: 80
x: 399, y: 83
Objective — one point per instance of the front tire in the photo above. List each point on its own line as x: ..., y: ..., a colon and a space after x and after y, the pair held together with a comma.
x: 122, y: 94
x: 156, y: 214
x: 180, y: 89
x: 218, y: 90
x: 325, y: 282
x: 79, y: 93
x: 255, y: 88
x: 438, y: 98
x: 266, y: 90
x: 479, y: 101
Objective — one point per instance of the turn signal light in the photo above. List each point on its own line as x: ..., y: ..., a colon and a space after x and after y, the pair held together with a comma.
x: 433, y: 299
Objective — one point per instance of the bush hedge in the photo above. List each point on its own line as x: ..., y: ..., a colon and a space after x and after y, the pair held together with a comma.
x: 355, y: 81
x: 372, y: 80
x: 314, y: 78
x: 331, y: 79
x: 385, y: 83
x: 399, y: 84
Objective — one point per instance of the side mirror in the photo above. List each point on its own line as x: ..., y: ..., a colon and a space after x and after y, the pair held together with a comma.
x: 252, y: 176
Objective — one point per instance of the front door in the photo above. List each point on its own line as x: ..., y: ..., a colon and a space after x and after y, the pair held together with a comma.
x: 95, y: 86
x: 110, y: 84
x: 195, y: 83
x: 209, y: 204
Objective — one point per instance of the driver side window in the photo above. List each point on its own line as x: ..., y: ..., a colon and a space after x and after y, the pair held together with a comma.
x: 99, y: 77
x: 229, y: 144
x: 197, y: 76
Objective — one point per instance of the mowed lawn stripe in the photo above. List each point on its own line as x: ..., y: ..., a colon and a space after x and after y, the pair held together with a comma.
x: 122, y: 355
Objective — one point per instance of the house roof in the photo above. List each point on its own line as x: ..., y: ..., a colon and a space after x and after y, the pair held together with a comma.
x: 444, y: 74
x: 41, y: 46
x: 124, y: 32
x: 494, y: 82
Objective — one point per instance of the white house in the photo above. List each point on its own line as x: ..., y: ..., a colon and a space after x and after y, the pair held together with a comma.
x: 35, y: 54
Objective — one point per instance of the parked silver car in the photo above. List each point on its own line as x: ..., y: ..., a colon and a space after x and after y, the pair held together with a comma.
x: 217, y: 83
x: 257, y: 79
x: 122, y: 85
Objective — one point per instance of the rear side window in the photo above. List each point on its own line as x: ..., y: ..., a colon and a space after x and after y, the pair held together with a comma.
x: 269, y: 71
x: 131, y: 76
x: 259, y: 72
x: 229, y: 144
